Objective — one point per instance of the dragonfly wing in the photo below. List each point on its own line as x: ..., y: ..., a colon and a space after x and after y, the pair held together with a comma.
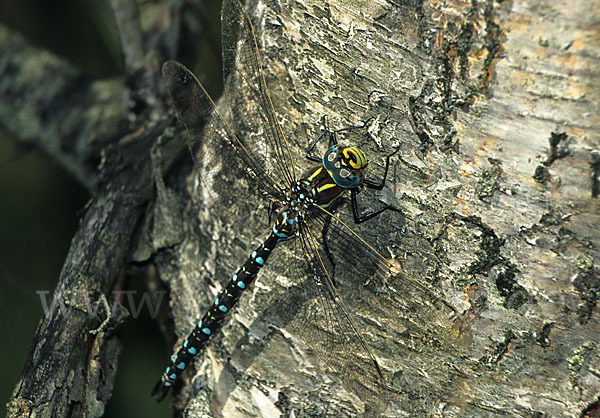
x: 326, y: 326
x: 206, y: 124
x: 382, y: 301
x: 250, y: 102
x: 383, y: 282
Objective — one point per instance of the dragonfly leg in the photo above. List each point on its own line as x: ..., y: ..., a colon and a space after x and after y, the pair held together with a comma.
x: 311, y: 146
x: 273, y: 207
x: 358, y: 218
x: 349, y: 128
x: 332, y: 139
x: 379, y: 185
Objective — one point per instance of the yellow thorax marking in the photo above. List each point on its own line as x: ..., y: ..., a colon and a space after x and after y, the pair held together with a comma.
x: 326, y: 186
x: 315, y: 174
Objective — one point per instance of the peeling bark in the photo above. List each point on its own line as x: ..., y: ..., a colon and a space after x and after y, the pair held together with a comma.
x: 478, y: 95
x: 494, y: 106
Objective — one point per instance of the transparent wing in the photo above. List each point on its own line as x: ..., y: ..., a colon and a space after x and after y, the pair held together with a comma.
x: 381, y: 281
x: 374, y: 289
x: 248, y: 97
x: 328, y: 328
x: 205, y: 124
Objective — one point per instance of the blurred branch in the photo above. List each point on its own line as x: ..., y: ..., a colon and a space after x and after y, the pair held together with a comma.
x: 46, y: 102
x: 69, y: 371
x: 102, y: 131
x: 130, y: 32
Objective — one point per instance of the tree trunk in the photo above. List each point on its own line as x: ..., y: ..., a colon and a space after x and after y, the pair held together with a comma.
x: 494, y: 108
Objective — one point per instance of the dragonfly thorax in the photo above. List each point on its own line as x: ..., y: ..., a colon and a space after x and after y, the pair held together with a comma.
x: 343, y: 169
x: 295, y: 208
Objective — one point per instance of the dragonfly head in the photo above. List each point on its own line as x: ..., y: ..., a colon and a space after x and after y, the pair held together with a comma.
x: 346, y: 165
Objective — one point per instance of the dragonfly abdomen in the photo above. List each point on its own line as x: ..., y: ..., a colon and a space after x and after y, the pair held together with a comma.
x: 213, y: 319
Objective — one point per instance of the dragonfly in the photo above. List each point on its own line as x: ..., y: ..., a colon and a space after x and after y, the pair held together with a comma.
x: 305, y: 208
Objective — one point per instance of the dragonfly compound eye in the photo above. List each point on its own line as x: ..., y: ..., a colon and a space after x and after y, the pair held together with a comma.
x: 354, y: 157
